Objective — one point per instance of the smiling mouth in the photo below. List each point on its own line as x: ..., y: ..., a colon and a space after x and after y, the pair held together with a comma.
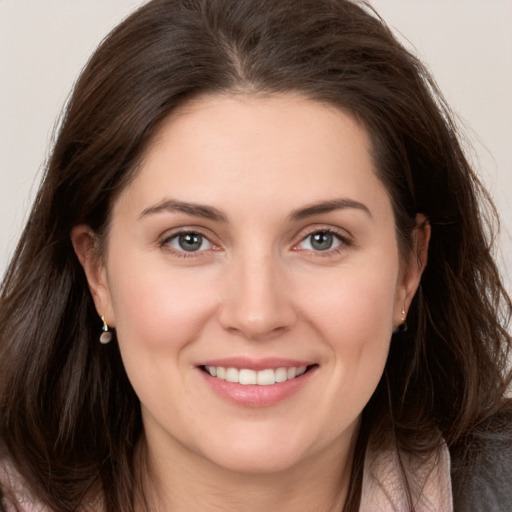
x: 266, y: 377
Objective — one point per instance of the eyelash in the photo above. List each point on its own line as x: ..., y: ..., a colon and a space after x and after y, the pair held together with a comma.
x: 343, y: 240
x: 181, y: 253
x: 343, y: 244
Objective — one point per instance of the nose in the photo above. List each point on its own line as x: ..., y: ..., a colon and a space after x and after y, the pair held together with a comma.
x: 257, y: 300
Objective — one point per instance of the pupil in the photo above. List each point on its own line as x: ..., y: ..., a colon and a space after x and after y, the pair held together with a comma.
x: 321, y: 241
x: 190, y: 241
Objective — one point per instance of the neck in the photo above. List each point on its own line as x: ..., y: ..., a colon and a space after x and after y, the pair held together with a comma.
x: 319, y: 483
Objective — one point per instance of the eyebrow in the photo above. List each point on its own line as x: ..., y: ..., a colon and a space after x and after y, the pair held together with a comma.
x: 211, y: 213
x: 326, y: 207
x: 197, y: 210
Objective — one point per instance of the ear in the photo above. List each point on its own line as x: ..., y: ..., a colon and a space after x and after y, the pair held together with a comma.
x: 85, y: 244
x: 412, y: 271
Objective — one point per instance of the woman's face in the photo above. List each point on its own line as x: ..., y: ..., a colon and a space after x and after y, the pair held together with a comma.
x: 253, y: 278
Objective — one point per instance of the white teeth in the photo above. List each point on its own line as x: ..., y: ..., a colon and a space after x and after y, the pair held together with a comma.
x: 248, y: 377
x: 281, y: 374
x: 262, y: 378
x: 232, y: 375
x: 266, y: 377
x: 301, y: 370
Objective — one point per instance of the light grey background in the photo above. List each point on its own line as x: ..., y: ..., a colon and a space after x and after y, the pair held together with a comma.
x: 44, y: 43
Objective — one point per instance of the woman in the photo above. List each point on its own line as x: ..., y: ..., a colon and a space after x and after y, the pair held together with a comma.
x: 256, y: 276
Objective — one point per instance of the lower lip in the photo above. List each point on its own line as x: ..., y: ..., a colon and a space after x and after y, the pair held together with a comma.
x: 254, y: 395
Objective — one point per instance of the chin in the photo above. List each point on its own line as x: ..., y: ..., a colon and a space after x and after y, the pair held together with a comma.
x: 256, y: 463
x: 255, y: 455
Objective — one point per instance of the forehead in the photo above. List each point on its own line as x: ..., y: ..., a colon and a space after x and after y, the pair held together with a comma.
x: 282, y: 147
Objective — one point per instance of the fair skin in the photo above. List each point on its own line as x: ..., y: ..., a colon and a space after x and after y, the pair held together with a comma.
x: 255, y: 236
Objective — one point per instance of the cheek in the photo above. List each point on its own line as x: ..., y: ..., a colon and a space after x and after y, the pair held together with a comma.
x: 357, y: 307
x: 355, y: 320
x: 158, y: 315
x: 156, y: 309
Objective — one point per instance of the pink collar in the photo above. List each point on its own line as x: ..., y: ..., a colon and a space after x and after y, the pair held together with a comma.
x: 382, y: 488
x: 429, y: 479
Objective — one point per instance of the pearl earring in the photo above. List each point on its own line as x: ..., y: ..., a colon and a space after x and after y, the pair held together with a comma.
x: 106, y: 335
x: 403, y: 326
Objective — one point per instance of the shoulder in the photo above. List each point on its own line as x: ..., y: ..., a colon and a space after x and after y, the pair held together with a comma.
x: 481, y: 466
x: 17, y: 496
x: 14, y: 495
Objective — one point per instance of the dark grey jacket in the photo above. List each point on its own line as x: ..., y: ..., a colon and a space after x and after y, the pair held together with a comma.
x: 482, y: 468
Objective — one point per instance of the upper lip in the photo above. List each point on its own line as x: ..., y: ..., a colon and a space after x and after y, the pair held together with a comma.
x: 256, y: 364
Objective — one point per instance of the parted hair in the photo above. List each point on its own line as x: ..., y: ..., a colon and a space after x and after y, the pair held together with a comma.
x: 69, y: 418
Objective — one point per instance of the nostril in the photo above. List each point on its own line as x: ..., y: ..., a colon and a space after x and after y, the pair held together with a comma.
x: 256, y: 303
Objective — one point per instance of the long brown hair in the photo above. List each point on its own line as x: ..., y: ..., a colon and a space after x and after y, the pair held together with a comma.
x: 69, y: 418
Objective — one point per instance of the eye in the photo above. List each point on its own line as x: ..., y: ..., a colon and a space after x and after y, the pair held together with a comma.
x: 321, y: 241
x: 188, y: 241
